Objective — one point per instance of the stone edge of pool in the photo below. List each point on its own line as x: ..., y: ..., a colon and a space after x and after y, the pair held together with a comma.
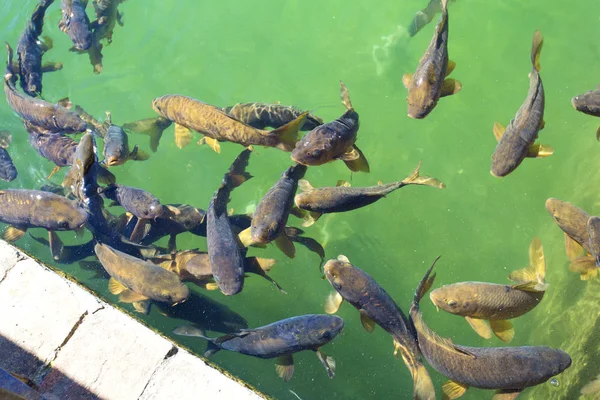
x: 68, y: 343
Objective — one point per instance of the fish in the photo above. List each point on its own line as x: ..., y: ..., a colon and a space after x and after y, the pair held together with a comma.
x: 99, y: 128
x: 588, y: 103
x: 516, y: 141
x: 430, y: 82
x: 53, y: 118
x: 153, y: 127
x: 279, y: 340
x: 116, y: 147
x: 334, y: 140
x: 424, y: 17
x: 137, y: 281
x: 509, y: 370
x: 226, y: 253
x: 262, y: 115
x: 75, y: 23
x: 271, y: 215
x: 480, y: 301
x: 191, y: 114
x: 377, y: 307
x: 343, y: 198
x: 107, y: 16
x: 57, y: 148
x: 591, y: 388
x: 30, y: 50
x: 23, y: 209
x: 8, y: 171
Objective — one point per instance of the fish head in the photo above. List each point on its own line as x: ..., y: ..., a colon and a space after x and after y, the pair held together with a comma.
x: 265, y: 231
x: 78, y: 28
x: 316, y: 148
x: 588, y: 102
x: 564, y: 212
x: 556, y: 359
x: 321, y: 329
x: 151, y: 208
x: 159, y: 105
x: 170, y: 290
x: 345, y: 278
x: 420, y: 101
x: 459, y: 298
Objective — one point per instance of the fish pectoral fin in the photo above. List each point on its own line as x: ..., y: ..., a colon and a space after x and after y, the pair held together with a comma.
x: 116, y: 287
x: 586, y: 266
x: 212, y: 143
x: 572, y: 248
x: 54, y: 170
x: 56, y: 245
x: 360, y: 164
x: 350, y: 155
x: 189, y: 330
x: 506, y: 394
x: 142, y: 306
x: 333, y: 302
x: 265, y: 264
x: 245, y: 237
x: 139, y: 231
x: 342, y: 182
x: 406, y: 80
x: 138, y: 155
x: 598, y: 134
x: 450, y: 87
x: 539, y: 151
x: 284, y: 366
x: 498, y: 130
x: 65, y: 102
x: 397, y: 347
x: 328, y: 363
x: 454, y: 390
x: 366, y: 321
x: 211, y: 286
x: 503, y: 330
x: 183, y: 136
x: 310, y: 218
x: 451, y: 66
x: 129, y: 296
x: 542, y: 124
x: 285, y: 245
x: 13, y: 233
x: 305, y: 185
x: 106, y: 177
x: 480, y: 326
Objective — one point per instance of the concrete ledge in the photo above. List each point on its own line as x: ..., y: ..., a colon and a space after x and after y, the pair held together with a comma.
x: 72, y: 345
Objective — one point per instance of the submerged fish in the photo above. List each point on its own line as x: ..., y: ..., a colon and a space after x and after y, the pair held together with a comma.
x: 262, y: 115
x: 377, y: 307
x: 589, y: 103
x: 116, y: 147
x: 30, y: 50
x: 75, y: 23
x: 225, y: 251
x: 424, y: 16
x: 479, y: 301
x: 52, y: 118
x: 98, y: 127
x: 107, y: 16
x: 516, y: 141
x: 8, y: 171
x: 509, y: 370
x: 271, y: 215
x: 429, y: 83
x: 279, y: 340
x: 137, y: 281
x: 189, y: 113
x: 57, y: 148
x: 153, y: 127
x: 333, y: 141
x: 344, y: 198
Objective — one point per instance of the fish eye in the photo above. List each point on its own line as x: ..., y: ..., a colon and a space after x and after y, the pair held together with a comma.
x: 326, y: 335
x: 316, y: 153
x: 451, y: 303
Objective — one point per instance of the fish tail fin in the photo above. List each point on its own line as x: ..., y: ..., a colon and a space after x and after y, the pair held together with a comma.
x: 211, y: 348
x: 415, y: 179
x: 154, y: 130
x: 536, y: 48
x: 444, y: 6
x: 425, y: 283
x: 237, y: 172
x: 536, y: 271
x: 288, y: 133
x: 423, y: 386
x: 345, y: 96
x: 188, y: 330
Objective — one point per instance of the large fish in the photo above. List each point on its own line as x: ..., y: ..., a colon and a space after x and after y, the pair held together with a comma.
x: 75, y: 23
x: 377, y: 307
x: 480, y: 301
x: 516, y: 141
x: 345, y: 198
x: 429, y: 82
x: 509, y: 370
x: 137, y: 281
x: 279, y: 340
x: 116, y: 147
x: 271, y: 214
x: 589, y: 103
x: 262, y: 115
x: 188, y: 113
x: 225, y: 251
x: 57, y: 148
x: 52, y: 118
x: 8, y: 171
x: 333, y: 141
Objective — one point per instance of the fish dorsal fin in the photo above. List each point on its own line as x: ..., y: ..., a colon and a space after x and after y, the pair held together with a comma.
x: 453, y: 390
x: 366, y: 321
x: 536, y: 48
x: 333, y: 302
x: 342, y: 182
x: 305, y: 185
x: 406, y: 80
x: 343, y: 258
x: 116, y: 287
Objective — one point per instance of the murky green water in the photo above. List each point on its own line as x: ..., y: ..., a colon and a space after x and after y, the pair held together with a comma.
x: 295, y: 52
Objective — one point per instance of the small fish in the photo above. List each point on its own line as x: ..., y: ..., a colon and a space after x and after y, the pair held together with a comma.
x: 377, y: 307
x: 52, y: 118
x: 344, y: 198
x: 262, y: 115
x: 226, y: 253
x: 516, y: 141
x: 153, y: 127
x: 429, y: 82
x: 137, y: 281
x: 424, y: 17
x: 116, y: 147
x: 8, y: 171
x: 279, y: 340
x: 189, y: 113
x: 509, y: 370
x: 271, y: 215
x: 30, y: 50
x: 333, y: 141
x: 589, y: 103
x: 75, y: 23
x: 479, y: 301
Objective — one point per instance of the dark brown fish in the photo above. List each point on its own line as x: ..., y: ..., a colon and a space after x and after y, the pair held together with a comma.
x: 262, y: 115
x: 116, y: 147
x: 516, y: 141
x: 189, y: 113
x: 50, y: 117
x: 344, y: 198
x: 333, y: 141
x: 55, y: 147
x: 429, y: 83
x: 75, y: 23
x: 509, y: 370
x: 480, y: 301
x: 377, y: 307
x: 107, y: 16
x: 588, y: 103
x: 153, y: 127
x: 8, y: 171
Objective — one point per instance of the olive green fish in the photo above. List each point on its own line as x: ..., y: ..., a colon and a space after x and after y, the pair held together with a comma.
x: 509, y: 370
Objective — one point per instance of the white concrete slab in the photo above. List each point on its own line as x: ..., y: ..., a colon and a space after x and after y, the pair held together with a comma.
x: 8, y: 258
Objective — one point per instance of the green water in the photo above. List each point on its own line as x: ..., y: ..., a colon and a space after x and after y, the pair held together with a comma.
x: 295, y: 52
